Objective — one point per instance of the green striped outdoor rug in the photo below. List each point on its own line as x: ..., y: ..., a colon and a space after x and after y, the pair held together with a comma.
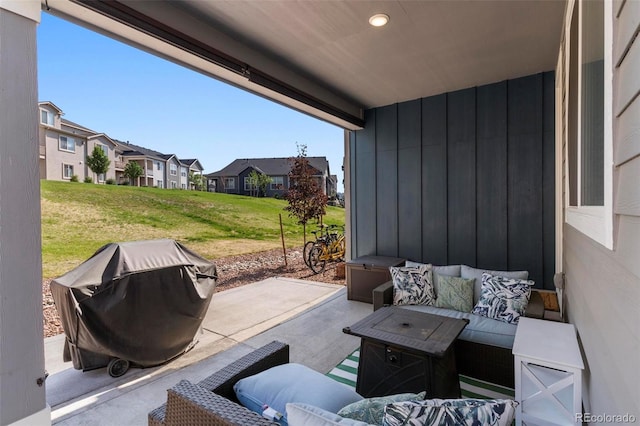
x: 347, y: 372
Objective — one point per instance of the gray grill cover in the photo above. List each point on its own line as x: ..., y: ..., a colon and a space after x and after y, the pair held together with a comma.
x: 142, y: 301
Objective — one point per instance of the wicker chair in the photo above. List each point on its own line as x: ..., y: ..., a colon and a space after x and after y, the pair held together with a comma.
x: 212, y: 401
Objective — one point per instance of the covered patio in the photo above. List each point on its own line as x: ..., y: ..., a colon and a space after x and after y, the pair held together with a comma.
x: 309, y: 316
x: 468, y: 140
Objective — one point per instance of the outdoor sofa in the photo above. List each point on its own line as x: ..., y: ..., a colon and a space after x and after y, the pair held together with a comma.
x: 483, y: 349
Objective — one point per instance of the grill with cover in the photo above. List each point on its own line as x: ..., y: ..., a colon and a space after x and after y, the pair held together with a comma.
x: 139, y: 302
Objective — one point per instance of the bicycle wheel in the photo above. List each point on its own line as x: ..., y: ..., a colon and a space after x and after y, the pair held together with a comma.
x: 315, y: 263
x: 306, y: 250
x: 342, y: 250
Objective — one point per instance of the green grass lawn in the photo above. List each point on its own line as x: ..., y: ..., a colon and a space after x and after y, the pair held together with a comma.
x: 79, y: 218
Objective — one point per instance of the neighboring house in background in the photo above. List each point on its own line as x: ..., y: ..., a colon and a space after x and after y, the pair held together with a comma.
x: 108, y: 146
x: 152, y: 162
x: 184, y: 176
x: 193, y: 166
x: 233, y: 179
x: 65, y: 145
x: 173, y: 171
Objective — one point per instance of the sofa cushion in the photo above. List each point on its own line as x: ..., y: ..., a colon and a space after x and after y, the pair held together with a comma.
x: 504, y: 299
x: 448, y: 270
x: 497, y: 412
x: 277, y: 386
x: 455, y: 293
x: 300, y: 414
x: 371, y: 410
x: 412, y: 286
x: 469, y: 272
x: 480, y: 329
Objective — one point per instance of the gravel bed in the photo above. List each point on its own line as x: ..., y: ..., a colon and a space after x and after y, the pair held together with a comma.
x: 233, y: 271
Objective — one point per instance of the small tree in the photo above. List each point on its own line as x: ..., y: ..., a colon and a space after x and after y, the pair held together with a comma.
x: 259, y: 182
x: 133, y: 171
x: 98, y: 161
x: 305, y: 196
x: 196, y: 180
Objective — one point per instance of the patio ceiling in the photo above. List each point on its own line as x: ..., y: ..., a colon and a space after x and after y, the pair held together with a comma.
x: 323, y: 57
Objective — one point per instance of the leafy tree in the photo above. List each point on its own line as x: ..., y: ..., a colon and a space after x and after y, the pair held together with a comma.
x: 98, y: 161
x: 196, y: 180
x: 305, y: 196
x: 259, y: 182
x: 133, y: 171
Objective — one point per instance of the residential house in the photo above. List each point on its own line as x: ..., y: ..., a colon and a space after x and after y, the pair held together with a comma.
x: 65, y: 145
x: 153, y: 164
x: 473, y: 141
x: 234, y: 178
x: 172, y: 168
x: 191, y: 166
x: 184, y: 176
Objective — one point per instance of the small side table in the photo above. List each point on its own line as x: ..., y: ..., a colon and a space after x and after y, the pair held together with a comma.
x: 548, y: 373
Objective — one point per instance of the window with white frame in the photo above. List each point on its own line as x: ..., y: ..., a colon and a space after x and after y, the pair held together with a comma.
x: 249, y: 184
x: 104, y: 149
x: 67, y: 171
x: 183, y: 171
x: 183, y: 185
x: 277, y: 182
x: 173, y: 169
x: 47, y: 117
x: 174, y: 184
x: 586, y: 123
x: 67, y: 143
x: 101, y: 177
x: 230, y: 183
x: 160, y: 184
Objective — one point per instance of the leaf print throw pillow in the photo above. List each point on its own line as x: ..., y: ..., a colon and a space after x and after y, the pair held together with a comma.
x: 504, y: 299
x: 413, y: 285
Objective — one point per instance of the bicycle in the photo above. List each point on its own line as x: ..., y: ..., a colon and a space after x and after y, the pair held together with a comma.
x: 330, y: 248
x: 324, y: 235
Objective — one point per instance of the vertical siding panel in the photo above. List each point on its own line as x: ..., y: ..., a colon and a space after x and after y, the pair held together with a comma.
x: 364, y: 209
x: 525, y: 175
x: 387, y: 180
x: 461, y: 176
x: 466, y: 177
x: 434, y: 180
x: 548, y: 181
x: 409, y: 181
x: 491, y: 166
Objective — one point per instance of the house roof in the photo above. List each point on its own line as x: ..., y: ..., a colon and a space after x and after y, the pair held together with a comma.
x: 192, y: 162
x: 130, y: 150
x: 268, y: 166
x: 51, y: 104
x: 323, y: 58
x: 76, y: 125
x: 103, y: 135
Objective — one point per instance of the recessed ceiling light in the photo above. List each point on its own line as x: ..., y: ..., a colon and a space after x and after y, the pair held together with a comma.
x: 379, y: 20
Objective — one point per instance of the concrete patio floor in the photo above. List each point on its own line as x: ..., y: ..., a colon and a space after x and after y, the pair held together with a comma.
x: 307, y: 315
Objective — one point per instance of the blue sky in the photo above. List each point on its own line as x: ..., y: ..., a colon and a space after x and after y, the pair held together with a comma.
x: 128, y: 94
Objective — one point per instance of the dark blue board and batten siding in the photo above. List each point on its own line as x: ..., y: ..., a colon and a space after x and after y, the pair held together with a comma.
x: 463, y: 177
